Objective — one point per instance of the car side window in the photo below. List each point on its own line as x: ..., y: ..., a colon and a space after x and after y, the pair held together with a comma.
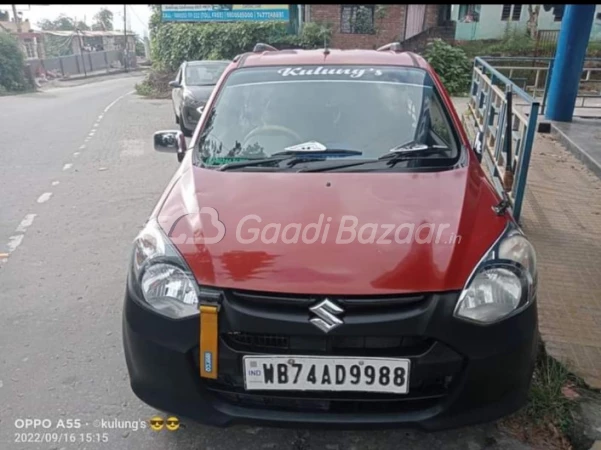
x: 179, y: 76
x: 439, y: 122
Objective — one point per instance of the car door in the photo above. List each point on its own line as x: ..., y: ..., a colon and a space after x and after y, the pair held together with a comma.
x: 177, y: 93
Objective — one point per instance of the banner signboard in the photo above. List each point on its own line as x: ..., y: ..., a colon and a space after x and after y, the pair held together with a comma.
x: 225, y: 13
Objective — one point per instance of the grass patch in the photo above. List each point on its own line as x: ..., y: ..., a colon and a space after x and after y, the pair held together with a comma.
x: 516, y: 42
x: 156, y: 84
x: 547, y: 421
x: 547, y: 401
x: 6, y: 93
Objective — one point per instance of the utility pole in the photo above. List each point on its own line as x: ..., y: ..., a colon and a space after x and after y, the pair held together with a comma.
x: 83, y: 60
x: 125, y: 37
x: 17, y: 22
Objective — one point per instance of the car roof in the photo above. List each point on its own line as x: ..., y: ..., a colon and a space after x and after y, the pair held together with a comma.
x: 207, y: 62
x: 332, y: 57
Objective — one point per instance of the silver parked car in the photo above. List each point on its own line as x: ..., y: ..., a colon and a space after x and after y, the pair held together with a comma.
x: 192, y: 88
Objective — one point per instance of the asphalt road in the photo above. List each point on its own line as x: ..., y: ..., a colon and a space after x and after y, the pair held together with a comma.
x: 78, y: 177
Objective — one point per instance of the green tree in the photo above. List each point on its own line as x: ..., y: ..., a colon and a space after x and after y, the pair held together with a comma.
x: 11, y: 65
x: 140, y: 46
x: 62, y: 23
x: 103, y: 20
x: 155, y: 19
x: 364, y: 21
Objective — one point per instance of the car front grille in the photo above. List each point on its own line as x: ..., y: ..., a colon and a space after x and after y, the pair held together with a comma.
x: 329, y: 345
x: 435, y: 367
x: 347, y: 403
x: 300, y: 302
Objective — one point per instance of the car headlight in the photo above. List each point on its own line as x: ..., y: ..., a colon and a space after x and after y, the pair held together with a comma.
x: 504, y: 282
x: 190, y: 100
x: 162, y: 275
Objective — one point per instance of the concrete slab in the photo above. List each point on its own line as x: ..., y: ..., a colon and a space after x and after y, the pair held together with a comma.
x: 583, y: 138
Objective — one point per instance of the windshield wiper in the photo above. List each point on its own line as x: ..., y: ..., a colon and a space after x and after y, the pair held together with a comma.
x: 296, y: 156
x: 410, y: 149
x: 394, y: 155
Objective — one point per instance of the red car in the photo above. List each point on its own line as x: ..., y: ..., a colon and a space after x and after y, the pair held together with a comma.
x: 330, y: 253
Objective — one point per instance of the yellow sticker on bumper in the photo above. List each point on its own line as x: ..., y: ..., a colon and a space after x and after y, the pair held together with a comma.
x: 208, y: 341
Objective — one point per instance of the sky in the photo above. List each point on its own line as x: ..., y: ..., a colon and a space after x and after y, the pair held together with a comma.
x: 137, y: 15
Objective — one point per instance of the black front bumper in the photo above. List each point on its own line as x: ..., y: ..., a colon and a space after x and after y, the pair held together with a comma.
x: 460, y: 373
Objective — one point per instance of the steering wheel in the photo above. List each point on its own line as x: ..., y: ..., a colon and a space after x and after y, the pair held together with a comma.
x: 270, y: 129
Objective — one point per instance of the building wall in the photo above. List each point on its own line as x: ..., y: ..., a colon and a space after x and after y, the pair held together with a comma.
x: 12, y: 26
x: 389, y: 28
x: 490, y: 25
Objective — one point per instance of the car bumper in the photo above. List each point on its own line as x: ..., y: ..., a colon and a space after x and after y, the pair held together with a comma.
x: 461, y: 373
x: 190, y: 117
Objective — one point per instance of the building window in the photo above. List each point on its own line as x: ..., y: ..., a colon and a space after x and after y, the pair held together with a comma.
x: 513, y: 11
x: 30, y: 48
x: 357, y: 19
x: 469, y: 13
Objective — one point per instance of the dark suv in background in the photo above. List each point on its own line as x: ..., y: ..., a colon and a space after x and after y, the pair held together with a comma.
x: 192, y: 87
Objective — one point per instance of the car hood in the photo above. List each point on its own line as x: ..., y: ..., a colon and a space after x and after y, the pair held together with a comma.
x: 200, y: 93
x: 455, y: 204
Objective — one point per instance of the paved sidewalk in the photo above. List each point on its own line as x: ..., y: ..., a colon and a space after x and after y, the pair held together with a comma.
x: 562, y: 218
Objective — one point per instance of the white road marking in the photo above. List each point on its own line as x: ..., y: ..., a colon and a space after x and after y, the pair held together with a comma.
x: 14, y: 242
x: 25, y: 223
x: 44, y: 197
x: 116, y: 100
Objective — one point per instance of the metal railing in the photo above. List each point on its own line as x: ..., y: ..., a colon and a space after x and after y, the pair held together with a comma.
x: 488, y: 105
x: 533, y: 74
x: 85, y: 63
x: 545, y: 43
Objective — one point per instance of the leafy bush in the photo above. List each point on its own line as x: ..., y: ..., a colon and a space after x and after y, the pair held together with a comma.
x: 451, y: 64
x: 172, y: 43
x: 515, y: 42
x: 156, y: 84
x: 11, y: 65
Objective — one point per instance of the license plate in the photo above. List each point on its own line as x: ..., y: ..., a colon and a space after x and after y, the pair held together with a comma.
x: 324, y: 373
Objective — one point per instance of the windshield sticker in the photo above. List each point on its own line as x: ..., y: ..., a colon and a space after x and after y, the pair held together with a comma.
x: 218, y: 161
x: 320, y: 70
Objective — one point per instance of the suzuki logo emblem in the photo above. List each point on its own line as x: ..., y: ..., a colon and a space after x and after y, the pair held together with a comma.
x: 326, y: 312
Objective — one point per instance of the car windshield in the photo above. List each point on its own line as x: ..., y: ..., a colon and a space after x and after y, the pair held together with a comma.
x: 262, y: 111
x: 204, y: 74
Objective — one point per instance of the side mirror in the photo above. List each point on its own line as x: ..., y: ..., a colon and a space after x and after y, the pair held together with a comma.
x: 172, y: 141
x: 478, y: 146
x: 200, y: 109
x: 174, y: 84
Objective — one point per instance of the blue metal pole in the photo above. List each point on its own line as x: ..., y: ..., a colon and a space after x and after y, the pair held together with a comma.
x: 569, y: 60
